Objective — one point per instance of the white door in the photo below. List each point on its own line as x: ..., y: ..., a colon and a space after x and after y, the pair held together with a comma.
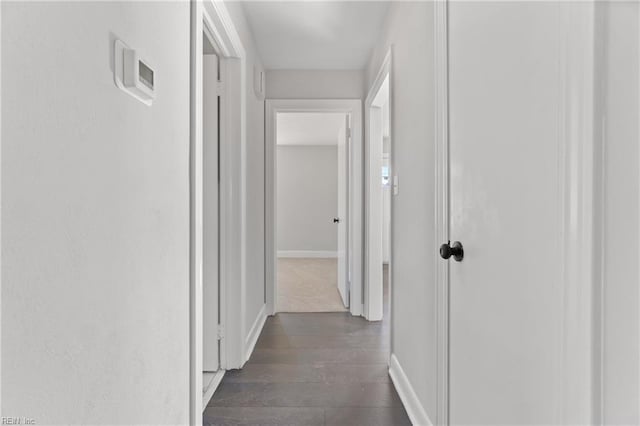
x: 210, y: 214
x: 342, y: 218
x: 505, y: 205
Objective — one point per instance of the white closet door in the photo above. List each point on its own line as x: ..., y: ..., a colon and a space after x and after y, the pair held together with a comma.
x: 505, y: 295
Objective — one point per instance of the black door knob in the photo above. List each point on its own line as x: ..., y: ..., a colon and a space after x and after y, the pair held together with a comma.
x: 447, y: 250
x: 336, y: 220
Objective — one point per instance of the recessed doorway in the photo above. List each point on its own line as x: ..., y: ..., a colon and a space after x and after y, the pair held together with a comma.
x: 381, y: 185
x: 313, y: 186
x: 311, y: 205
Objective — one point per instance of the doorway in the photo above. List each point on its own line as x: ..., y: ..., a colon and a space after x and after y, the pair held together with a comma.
x: 311, y: 206
x: 210, y: 219
x: 217, y: 330
x: 314, y: 212
x: 381, y: 186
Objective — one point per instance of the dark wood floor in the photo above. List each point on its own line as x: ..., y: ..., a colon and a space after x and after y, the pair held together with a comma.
x: 312, y: 369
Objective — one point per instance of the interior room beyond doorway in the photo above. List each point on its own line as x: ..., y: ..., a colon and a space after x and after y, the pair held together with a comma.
x: 311, y: 150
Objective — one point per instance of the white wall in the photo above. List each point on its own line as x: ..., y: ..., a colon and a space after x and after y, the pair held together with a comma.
x: 618, y: 115
x: 310, y: 84
x: 307, y: 198
x: 409, y: 29
x: 95, y: 220
x: 255, y: 281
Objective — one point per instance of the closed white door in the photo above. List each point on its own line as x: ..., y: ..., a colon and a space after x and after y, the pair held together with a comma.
x: 210, y: 214
x: 342, y: 217
x: 505, y: 201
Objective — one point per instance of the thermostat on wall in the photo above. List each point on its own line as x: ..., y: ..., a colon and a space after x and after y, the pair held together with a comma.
x: 133, y: 74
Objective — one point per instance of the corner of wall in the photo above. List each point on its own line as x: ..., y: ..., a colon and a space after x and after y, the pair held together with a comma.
x: 416, y: 412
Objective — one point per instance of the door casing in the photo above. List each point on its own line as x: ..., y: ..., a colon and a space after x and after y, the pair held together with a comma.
x: 353, y: 107
x: 211, y: 228
x: 344, y: 145
x: 373, y: 280
x: 212, y: 18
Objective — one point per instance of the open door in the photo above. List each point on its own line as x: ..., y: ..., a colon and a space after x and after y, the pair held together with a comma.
x: 344, y: 137
x: 211, y: 355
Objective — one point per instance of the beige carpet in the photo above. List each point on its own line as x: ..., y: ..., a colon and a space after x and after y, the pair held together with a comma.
x: 308, y: 285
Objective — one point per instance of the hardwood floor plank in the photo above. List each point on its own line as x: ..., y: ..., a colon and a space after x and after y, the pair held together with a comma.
x: 327, y: 328
x: 274, y: 416
x: 370, y: 416
x: 319, y: 356
x: 310, y: 373
x: 305, y: 395
x: 274, y: 341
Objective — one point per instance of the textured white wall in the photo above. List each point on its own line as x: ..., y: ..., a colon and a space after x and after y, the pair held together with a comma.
x: 619, y: 112
x: 95, y: 220
x: 409, y: 29
x: 255, y: 281
x: 307, y: 192
x: 305, y: 84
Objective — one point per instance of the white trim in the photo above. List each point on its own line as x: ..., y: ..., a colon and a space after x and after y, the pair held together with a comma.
x: 578, y: 393
x: 233, y: 213
x: 355, y: 228
x: 441, y: 60
x: 1, y: 210
x: 232, y: 181
x: 314, y: 144
x: 213, y: 385
x: 212, y: 16
x: 195, y: 237
x: 254, y: 333
x: 373, y: 297
x: 415, y: 410
x: 221, y: 27
x: 308, y: 253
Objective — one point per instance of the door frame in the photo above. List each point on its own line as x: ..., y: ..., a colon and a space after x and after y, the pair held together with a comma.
x: 441, y: 74
x: 354, y: 228
x: 211, y: 17
x: 581, y: 320
x: 373, y: 292
x: 210, y: 239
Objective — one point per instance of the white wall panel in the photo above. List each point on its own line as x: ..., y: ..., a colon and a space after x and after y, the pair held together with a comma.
x: 95, y: 199
x: 307, y: 183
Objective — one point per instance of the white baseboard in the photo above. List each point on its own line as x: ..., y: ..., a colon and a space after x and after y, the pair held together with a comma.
x: 415, y: 410
x: 254, y: 333
x: 307, y: 253
x: 211, y: 387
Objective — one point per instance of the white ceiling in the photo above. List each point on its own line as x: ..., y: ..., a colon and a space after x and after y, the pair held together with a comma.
x: 316, y: 35
x: 308, y: 128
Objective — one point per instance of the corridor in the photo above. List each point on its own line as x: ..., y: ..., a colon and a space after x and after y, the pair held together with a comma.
x: 197, y: 198
x: 313, y: 369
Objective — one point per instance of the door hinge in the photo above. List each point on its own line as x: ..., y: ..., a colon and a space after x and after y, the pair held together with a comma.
x: 348, y: 132
x: 220, y: 87
x: 220, y: 332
